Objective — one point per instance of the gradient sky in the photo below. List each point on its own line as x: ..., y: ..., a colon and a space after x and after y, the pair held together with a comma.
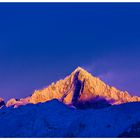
x: 43, y: 42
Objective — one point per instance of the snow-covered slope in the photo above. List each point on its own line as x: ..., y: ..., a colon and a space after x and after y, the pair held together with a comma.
x: 54, y: 119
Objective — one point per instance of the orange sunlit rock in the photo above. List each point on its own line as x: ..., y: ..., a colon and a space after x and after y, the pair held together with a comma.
x: 17, y: 103
x: 11, y: 102
x: 92, y: 88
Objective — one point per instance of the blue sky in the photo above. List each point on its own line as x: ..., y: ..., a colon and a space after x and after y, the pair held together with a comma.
x: 43, y: 42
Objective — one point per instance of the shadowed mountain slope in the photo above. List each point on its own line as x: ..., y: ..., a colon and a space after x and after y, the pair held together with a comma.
x: 55, y: 119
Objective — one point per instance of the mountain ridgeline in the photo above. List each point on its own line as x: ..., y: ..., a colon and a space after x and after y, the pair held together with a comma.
x: 61, y: 110
x: 79, y: 89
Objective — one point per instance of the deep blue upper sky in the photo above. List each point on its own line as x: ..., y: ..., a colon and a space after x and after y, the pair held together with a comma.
x: 43, y: 42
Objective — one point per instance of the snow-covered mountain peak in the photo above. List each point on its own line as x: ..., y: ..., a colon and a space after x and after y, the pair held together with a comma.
x: 78, y: 88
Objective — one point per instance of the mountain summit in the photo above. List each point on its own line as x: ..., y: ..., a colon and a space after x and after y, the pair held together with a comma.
x: 79, y: 88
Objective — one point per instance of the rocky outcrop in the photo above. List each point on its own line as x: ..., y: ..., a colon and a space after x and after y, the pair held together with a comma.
x: 81, y: 86
x: 11, y: 102
x: 16, y: 103
x: 2, y: 103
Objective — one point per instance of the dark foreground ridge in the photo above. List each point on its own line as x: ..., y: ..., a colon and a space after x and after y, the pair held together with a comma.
x: 55, y: 119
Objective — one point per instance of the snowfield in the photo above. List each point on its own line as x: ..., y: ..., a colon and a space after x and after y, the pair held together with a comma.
x: 54, y: 119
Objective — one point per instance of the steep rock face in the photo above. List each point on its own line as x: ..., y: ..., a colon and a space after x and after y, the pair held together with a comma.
x: 81, y: 86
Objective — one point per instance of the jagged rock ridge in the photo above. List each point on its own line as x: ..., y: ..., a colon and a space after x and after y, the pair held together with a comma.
x: 15, y: 102
x: 81, y: 86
